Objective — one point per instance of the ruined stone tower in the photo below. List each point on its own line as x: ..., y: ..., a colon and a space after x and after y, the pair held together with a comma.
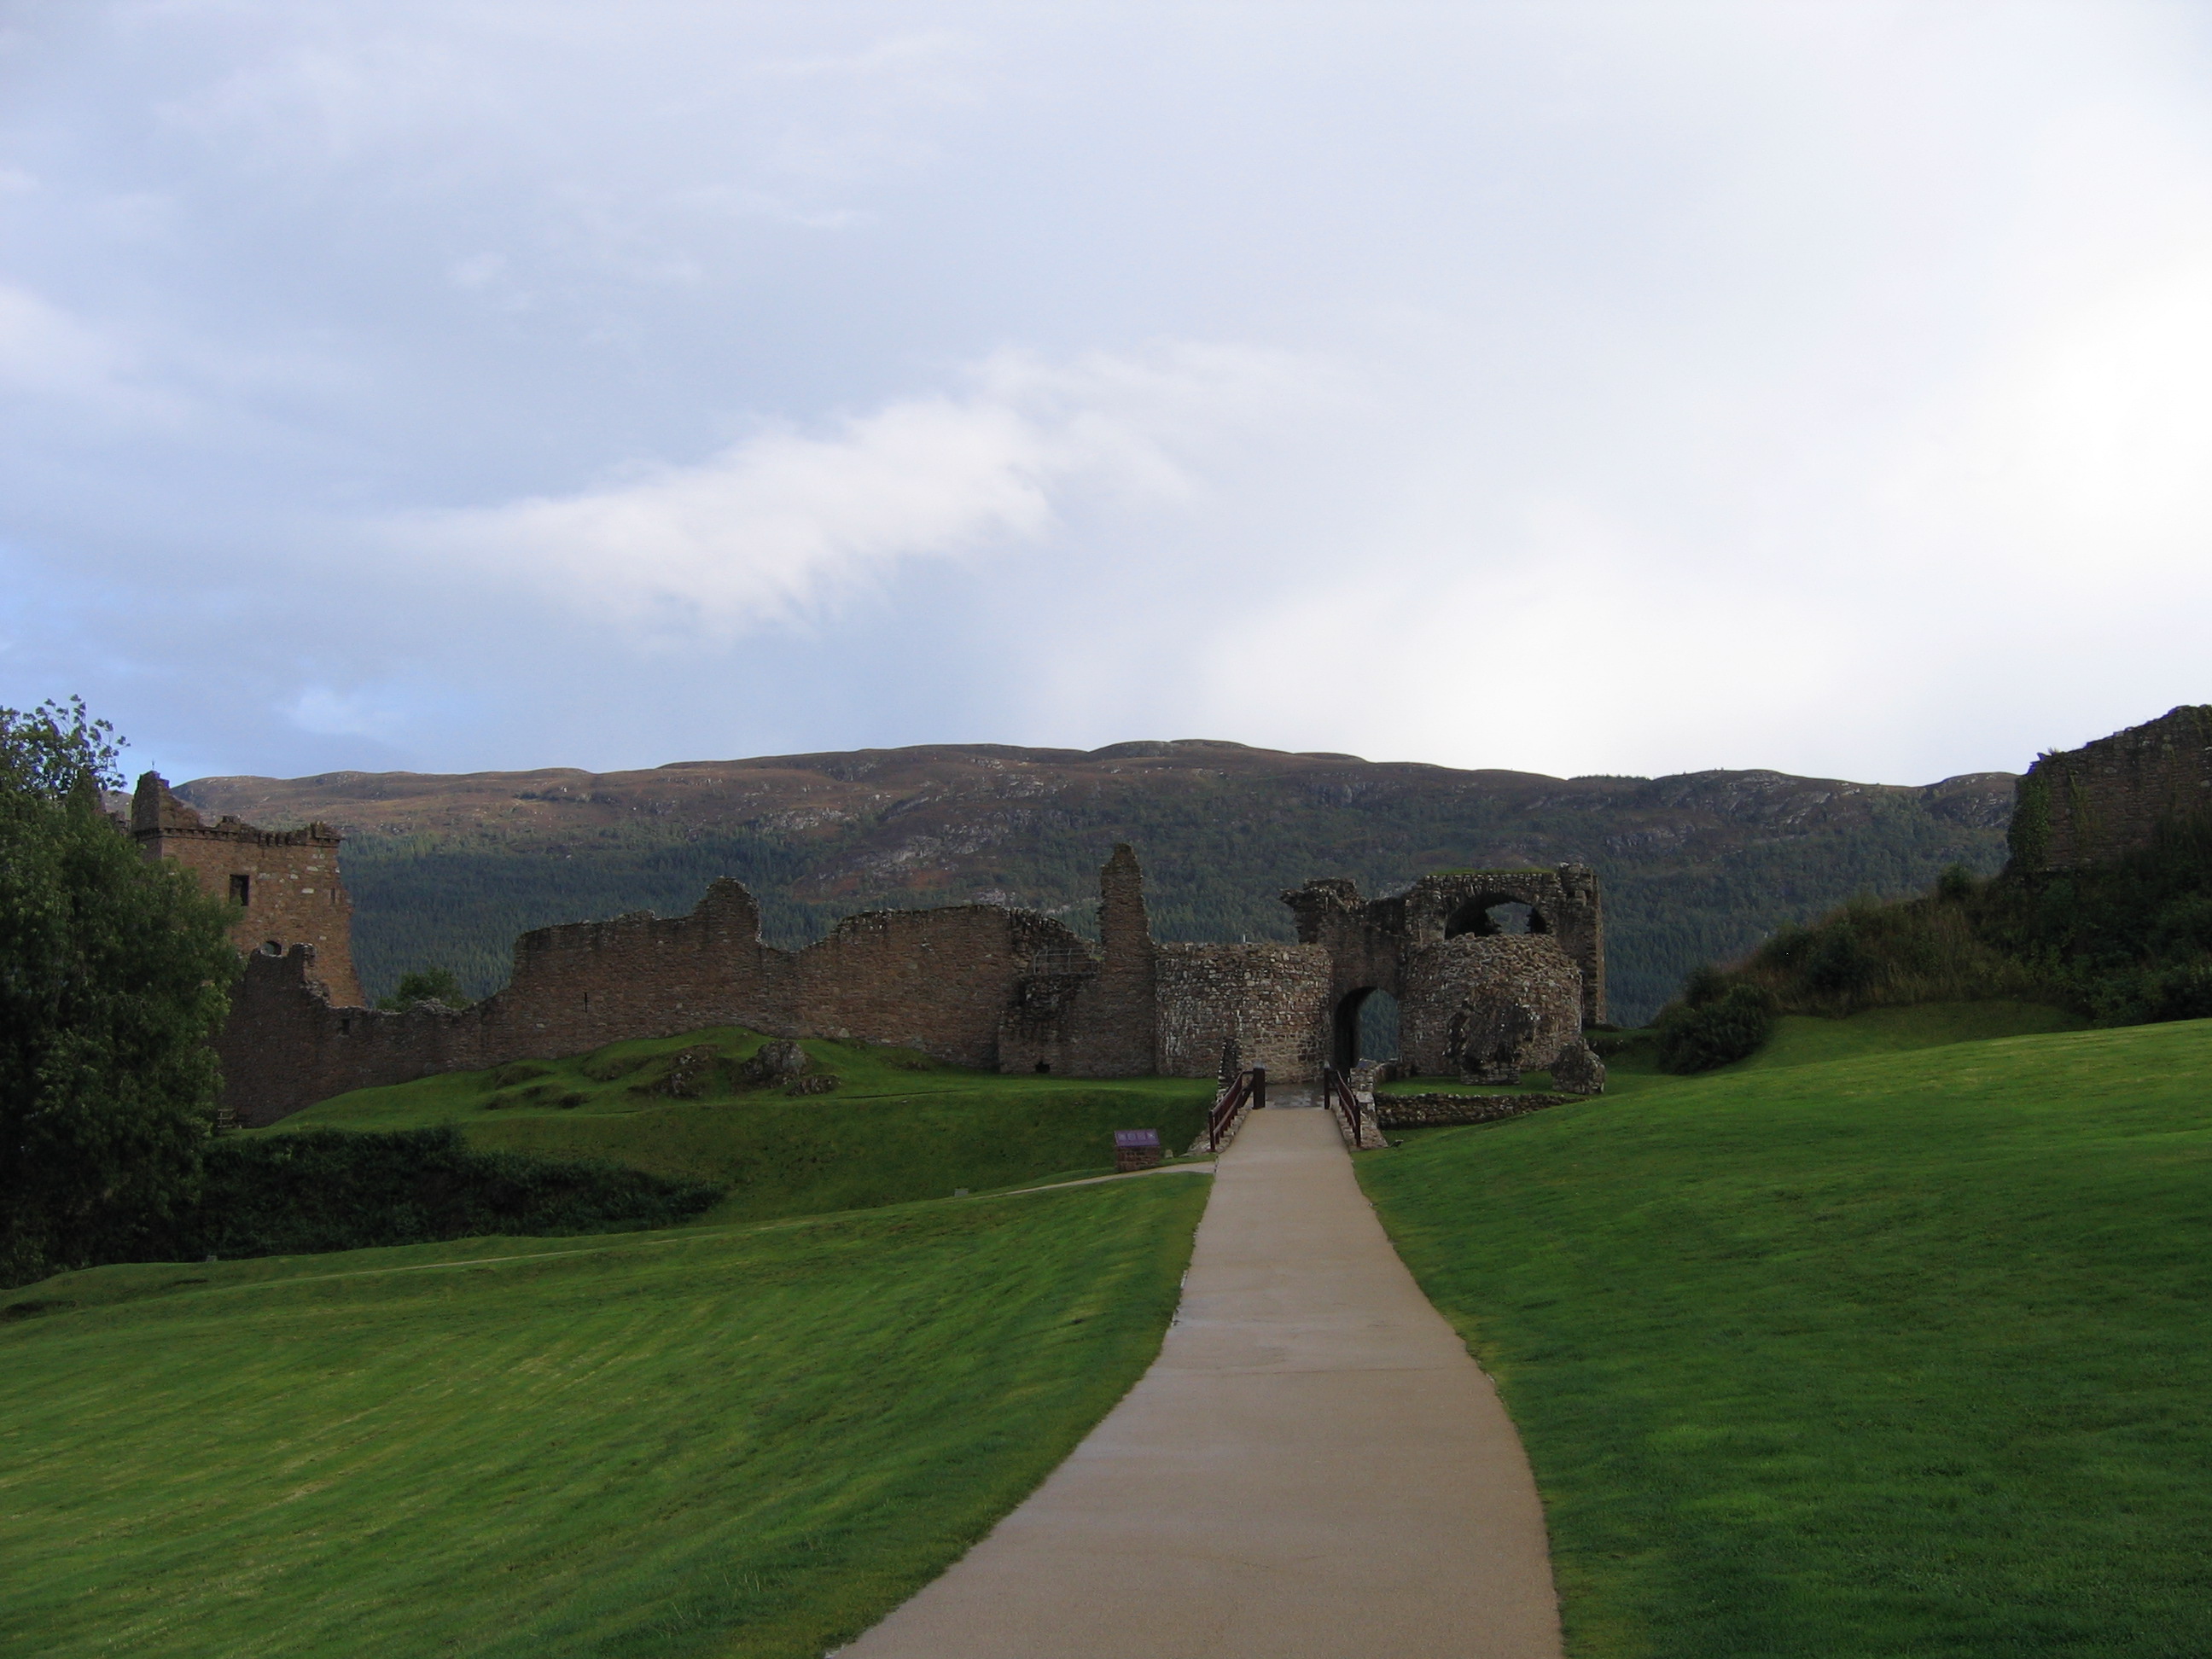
x: 287, y: 880
x: 1119, y: 1039
x: 2109, y: 799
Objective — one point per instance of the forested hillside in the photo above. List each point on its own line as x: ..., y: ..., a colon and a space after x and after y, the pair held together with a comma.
x: 1696, y: 866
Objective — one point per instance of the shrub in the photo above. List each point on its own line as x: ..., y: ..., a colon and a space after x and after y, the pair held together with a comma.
x: 2183, y: 993
x: 1730, y: 1027
x: 334, y: 1189
x: 438, y: 985
x: 1838, y: 961
x: 1956, y: 884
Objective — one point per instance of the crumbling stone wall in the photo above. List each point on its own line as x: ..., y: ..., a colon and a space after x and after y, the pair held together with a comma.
x: 1437, y: 1111
x: 286, y: 880
x: 1271, y: 1001
x: 938, y: 980
x: 1086, y: 1012
x: 978, y: 985
x: 2106, y: 799
x: 1488, y: 1006
x: 285, y: 1046
x: 941, y: 981
x: 1371, y: 943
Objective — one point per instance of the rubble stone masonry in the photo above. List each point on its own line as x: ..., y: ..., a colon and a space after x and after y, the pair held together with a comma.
x: 285, y: 881
x: 2106, y: 799
x: 1273, y: 1000
x: 978, y: 985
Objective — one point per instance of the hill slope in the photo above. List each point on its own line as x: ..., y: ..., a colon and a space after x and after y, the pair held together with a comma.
x: 1698, y: 866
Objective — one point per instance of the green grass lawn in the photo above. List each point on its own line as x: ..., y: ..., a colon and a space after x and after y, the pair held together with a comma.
x: 900, y: 1126
x: 1806, y: 1040
x: 734, y: 1442
x: 1909, y: 1353
x: 1800, y: 1040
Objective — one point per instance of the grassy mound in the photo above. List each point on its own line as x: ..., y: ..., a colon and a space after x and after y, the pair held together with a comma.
x: 677, y: 1444
x: 1900, y: 1354
x: 897, y: 1126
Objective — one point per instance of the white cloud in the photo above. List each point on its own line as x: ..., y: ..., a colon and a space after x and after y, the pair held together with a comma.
x: 780, y: 525
x: 44, y: 349
x: 1822, y: 386
x: 379, y: 711
x: 55, y: 360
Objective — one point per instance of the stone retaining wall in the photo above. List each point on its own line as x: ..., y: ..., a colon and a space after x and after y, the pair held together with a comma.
x: 1432, y: 1111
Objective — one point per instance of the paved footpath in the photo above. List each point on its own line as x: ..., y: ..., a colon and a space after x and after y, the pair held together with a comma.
x: 1313, y: 1468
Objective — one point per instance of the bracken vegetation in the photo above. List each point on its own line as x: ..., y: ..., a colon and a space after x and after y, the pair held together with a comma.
x: 2126, y: 942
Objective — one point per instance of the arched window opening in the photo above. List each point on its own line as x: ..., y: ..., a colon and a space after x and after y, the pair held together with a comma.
x: 1490, y: 913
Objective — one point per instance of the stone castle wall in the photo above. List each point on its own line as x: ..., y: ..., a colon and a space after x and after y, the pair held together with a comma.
x: 286, y: 880
x: 975, y: 985
x: 1450, y: 987
x: 938, y: 980
x: 1372, y: 942
x: 1273, y: 1000
x: 2107, y: 798
x: 1086, y: 1013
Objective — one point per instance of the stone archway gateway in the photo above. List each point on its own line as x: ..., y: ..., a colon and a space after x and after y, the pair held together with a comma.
x: 1473, y: 996
x: 1354, y: 1028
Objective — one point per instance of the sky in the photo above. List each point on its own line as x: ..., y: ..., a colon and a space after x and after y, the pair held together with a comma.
x: 1570, y: 387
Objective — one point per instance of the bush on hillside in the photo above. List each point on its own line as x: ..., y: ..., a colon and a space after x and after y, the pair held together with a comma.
x: 2127, y: 943
x: 334, y: 1189
x: 1731, y: 1025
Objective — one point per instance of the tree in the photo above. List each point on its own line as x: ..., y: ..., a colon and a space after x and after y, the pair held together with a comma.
x: 114, y: 973
x: 438, y: 985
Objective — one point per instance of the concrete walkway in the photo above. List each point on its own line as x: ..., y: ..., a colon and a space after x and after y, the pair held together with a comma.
x: 1312, y: 1469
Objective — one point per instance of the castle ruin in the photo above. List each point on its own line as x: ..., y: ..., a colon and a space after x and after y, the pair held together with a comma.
x: 285, y: 882
x: 980, y: 985
x: 2105, y: 799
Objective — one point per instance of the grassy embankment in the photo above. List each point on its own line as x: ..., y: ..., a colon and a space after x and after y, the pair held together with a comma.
x: 900, y: 1126
x: 1903, y: 1353
x: 723, y: 1440
x: 1798, y: 1039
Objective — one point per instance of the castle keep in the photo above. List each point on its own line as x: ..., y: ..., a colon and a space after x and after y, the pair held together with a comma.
x: 980, y: 985
x: 285, y: 882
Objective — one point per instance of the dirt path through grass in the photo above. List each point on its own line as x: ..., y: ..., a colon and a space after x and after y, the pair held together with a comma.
x: 1313, y: 1466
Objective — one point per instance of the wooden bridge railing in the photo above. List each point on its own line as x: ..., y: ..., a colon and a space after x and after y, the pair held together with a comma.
x: 1336, y: 1095
x: 1246, y: 1088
